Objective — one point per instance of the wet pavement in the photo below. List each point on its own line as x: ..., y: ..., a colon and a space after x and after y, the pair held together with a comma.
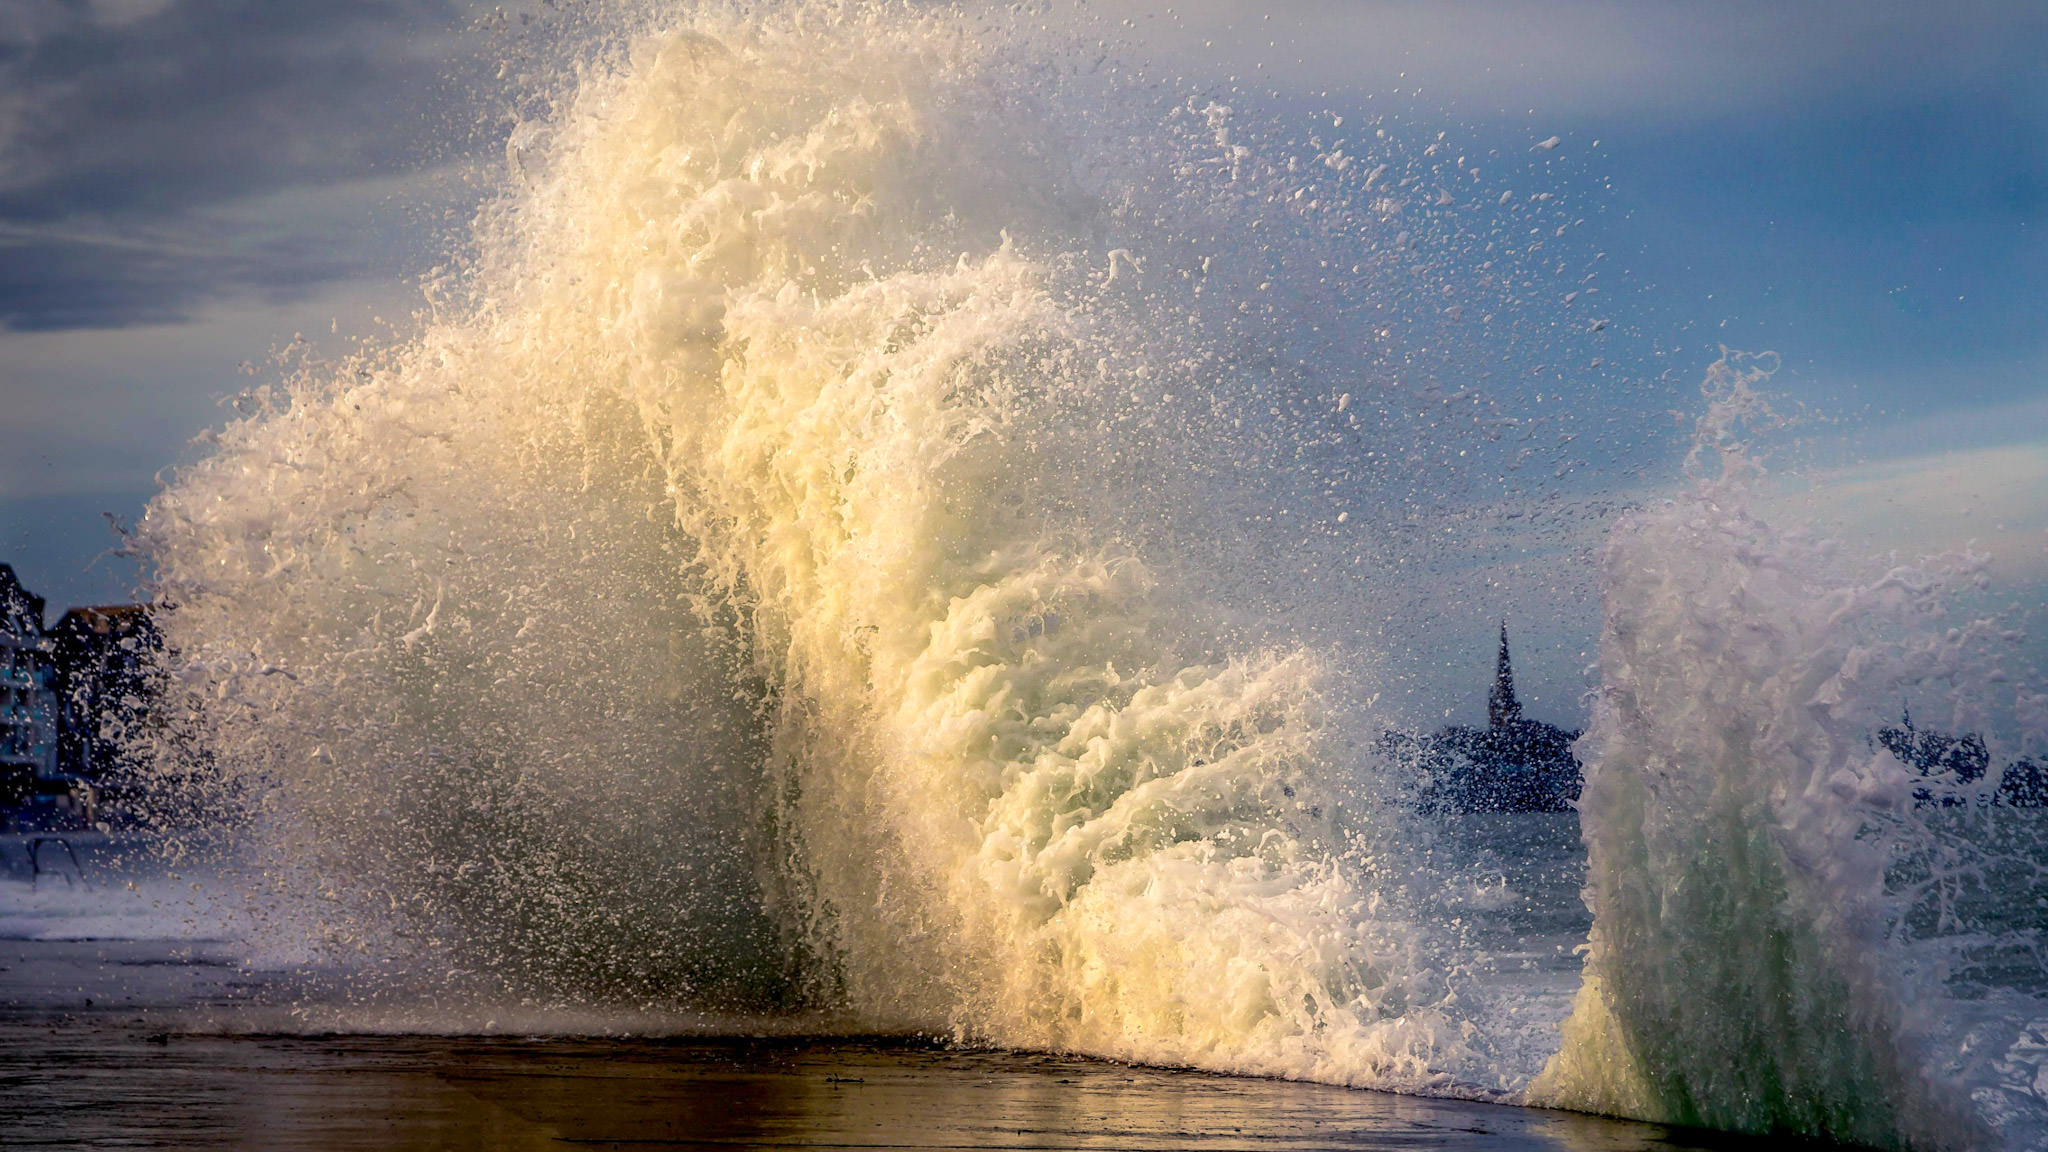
x: 176, y: 1042
x: 97, y: 1085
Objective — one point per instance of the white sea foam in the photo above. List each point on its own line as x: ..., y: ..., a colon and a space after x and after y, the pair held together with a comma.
x: 90, y: 886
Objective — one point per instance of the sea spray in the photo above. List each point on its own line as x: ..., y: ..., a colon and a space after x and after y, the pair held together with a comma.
x: 721, y: 611
x: 815, y: 566
x: 1750, y: 965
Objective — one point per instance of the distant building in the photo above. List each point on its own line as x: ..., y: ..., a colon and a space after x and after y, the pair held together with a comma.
x: 28, y: 698
x: 103, y: 658
x: 1959, y: 761
x: 69, y: 698
x: 1502, y: 709
x: 1512, y: 765
x: 2024, y: 784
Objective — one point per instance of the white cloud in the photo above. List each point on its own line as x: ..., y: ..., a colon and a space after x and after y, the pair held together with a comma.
x: 1992, y: 500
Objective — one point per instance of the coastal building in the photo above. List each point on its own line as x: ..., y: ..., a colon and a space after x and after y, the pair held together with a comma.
x: 28, y: 697
x: 70, y: 698
x: 1957, y: 768
x: 1514, y: 764
x: 103, y: 660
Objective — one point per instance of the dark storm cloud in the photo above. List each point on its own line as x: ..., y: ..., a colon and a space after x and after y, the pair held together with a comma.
x: 57, y: 281
x: 125, y: 125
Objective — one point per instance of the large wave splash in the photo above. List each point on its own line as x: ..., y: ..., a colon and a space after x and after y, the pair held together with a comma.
x: 725, y: 604
x: 1778, y: 901
x: 707, y: 609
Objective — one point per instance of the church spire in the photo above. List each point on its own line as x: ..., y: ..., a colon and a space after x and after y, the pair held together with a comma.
x: 1502, y: 708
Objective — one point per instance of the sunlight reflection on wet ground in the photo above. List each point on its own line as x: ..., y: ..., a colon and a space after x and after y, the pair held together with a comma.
x: 149, y: 1044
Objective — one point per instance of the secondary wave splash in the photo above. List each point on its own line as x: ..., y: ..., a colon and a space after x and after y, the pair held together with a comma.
x: 711, y: 609
x: 1777, y: 899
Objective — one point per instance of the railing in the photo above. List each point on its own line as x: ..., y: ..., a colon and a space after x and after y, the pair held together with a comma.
x: 33, y: 847
x: 35, y: 861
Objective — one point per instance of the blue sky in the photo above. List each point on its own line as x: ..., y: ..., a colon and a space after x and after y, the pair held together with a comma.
x: 186, y: 184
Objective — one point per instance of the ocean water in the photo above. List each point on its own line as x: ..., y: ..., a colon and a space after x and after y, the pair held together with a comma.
x: 873, y: 533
